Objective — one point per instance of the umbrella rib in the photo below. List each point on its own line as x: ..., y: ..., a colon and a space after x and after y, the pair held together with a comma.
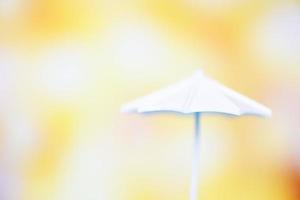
x: 189, y: 98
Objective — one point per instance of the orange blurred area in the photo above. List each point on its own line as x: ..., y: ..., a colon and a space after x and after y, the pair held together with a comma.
x: 67, y: 66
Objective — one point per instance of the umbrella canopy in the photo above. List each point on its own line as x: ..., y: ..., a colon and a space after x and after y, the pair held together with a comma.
x: 197, y: 93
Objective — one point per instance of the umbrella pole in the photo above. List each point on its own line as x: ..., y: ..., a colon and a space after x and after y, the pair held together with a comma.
x: 195, y: 161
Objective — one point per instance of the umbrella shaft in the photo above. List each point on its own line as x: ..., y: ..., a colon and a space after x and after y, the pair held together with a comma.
x: 195, y: 164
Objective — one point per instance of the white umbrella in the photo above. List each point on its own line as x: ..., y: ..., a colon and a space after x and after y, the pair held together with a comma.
x: 197, y: 94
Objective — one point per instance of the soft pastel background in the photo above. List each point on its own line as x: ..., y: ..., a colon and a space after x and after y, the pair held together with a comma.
x: 66, y: 67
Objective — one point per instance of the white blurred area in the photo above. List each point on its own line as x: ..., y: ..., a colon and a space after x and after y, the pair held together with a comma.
x: 10, y: 8
x: 277, y: 37
x: 17, y: 134
x: 62, y: 70
x: 137, y: 48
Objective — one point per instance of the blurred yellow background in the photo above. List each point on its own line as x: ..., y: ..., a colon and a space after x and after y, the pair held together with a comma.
x: 66, y: 67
